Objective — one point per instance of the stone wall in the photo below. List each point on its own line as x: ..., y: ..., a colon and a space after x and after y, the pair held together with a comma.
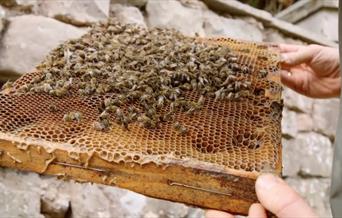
x: 31, y: 28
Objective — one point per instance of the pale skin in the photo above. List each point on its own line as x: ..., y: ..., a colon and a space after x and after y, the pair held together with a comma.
x: 312, y: 71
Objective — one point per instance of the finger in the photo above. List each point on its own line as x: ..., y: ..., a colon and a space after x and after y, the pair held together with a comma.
x: 295, y: 80
x: 303, y: 55
x: 276, y: 196
x: 257, y: 211
x: 217, y: 214
x: 284, y: 48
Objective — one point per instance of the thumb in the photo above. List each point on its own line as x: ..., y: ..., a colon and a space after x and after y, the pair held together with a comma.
x: 277, y: 197
x: 303, y: 55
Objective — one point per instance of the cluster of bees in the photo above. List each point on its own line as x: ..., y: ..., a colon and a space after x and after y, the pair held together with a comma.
x: 148, y: 73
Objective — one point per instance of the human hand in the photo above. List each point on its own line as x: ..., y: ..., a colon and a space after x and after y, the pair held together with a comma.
x: 275, y: 196
x: 311, y: 70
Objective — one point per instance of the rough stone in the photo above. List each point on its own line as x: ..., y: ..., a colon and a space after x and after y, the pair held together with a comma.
x: 291, y: 158
x: 89, y: 201
x: 323, y: 21
x: 55, y: 207
x: 11, y: 3
x: 310, y: 154
x: 28, y: 39
x: 215, y: 25
x: 317, y: 154
x: 289, y: 123
x: 296, y: 101
x: 165, y: 208
x: 78, y: 13
x: 136, y: 3
x: 194, y: 4
x: 325, y: 116
x: 2, y: 20
x: 196, y: 213
x: 304, y: 122
x: 19, y: 194
x: 15, y: 203
x: 127, y: 14
x: 172, y: 14
x: 316, y: 193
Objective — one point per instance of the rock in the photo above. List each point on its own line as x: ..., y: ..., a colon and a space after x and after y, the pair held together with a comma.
x: 17, y: 203
x: 127, y: 14
x: 325, y: 116
x: 316, y: 193
x: 291, y: 157
x: 194, y: 4
x: 304, y: 122
x: 2, y: 20
x: 11, y: 3
x: 89, y: 201
x: 273, y: 35
x: 195, y: 213
x: 215, y: 25
x: 309, y: 154
x: 136, y: 3
x: 165, y: 208
x: 54, y: 203
x: 190, y: 20
x: 317, y: 154
x: 289, y: 123
x: 297, y: 102
x: 79, y: 13
x: 172, y: 14
x: 8, y: 3
x: 55, y: 207
x: 19, y: 194
x: 29, y: 39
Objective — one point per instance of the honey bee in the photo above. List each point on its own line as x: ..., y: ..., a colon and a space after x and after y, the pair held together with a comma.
x: 147, y: 122
x: 7, y: 85
x: 53, y: 108
x: 101, y: 125
x: 72, y: 116
x: 182, y: 130
x: 104, y: 115
x: 263, y: 73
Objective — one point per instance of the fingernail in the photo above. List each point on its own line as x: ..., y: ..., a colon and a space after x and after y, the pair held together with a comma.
x: 267, y: 181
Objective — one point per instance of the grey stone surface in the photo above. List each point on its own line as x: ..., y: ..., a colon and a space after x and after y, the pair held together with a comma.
x: 76, y: 12
x: 297, y: 102
x: 55, y: 207
x: 215, y: 25
x: 165, y: 208
x: 291, y: 156
x: 309, y: 154
x: 316, y: 193
x: 173, y: 14
x: 324, y: 21
x: 11, y: 3
x: 191, y: 20
x: 304, y: 122
x: 238, y: 8
x: 16, y: 203
x: 289, y: 123
x: 2, y: 20
x: 127, y: 14
x: 325, y: 116
x: 28, y: 39
x: 136, y: 3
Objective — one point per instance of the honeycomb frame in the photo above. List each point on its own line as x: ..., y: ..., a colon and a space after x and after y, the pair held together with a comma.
x: 47, y: 145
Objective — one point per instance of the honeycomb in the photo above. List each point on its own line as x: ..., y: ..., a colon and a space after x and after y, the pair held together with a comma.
x: 228, y: 135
